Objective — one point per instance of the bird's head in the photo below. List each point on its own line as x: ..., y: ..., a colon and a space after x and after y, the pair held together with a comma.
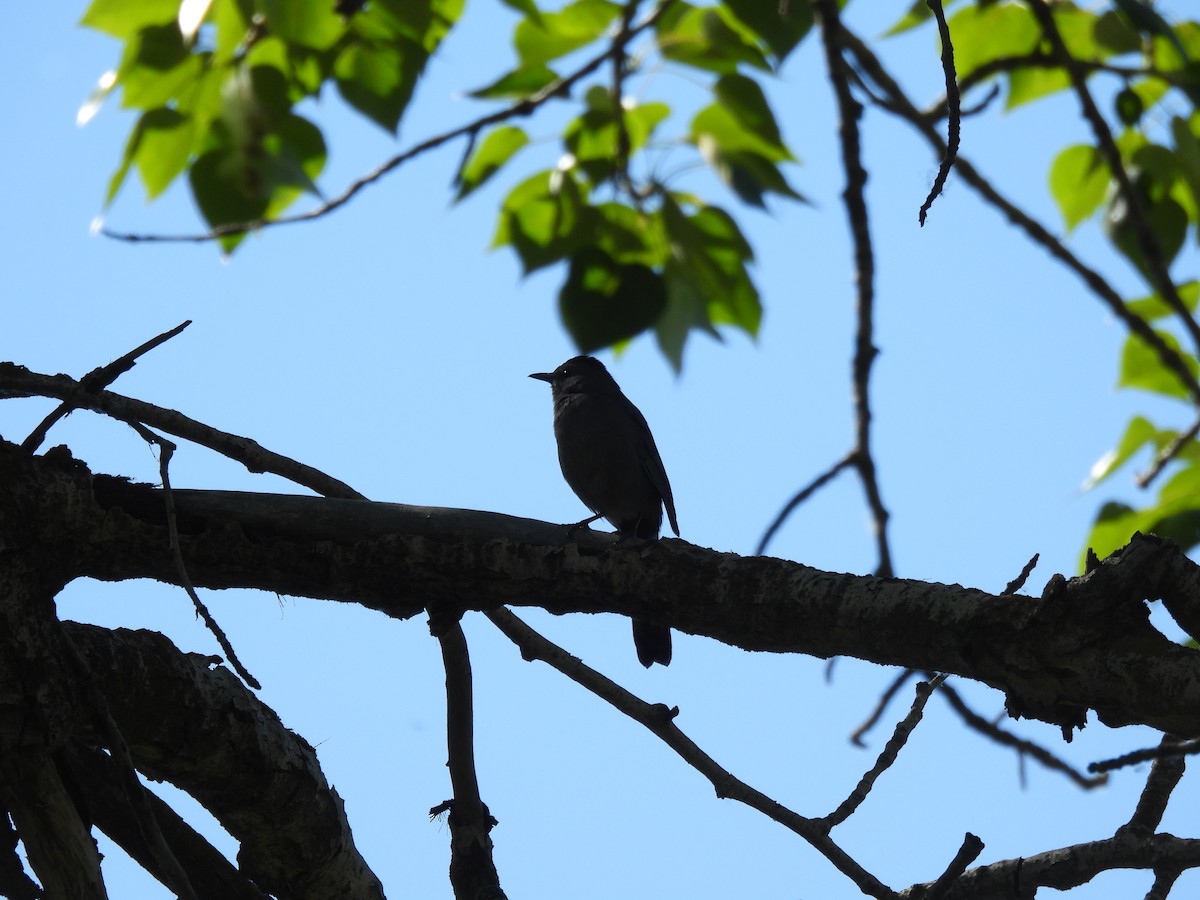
x: 581, y: 375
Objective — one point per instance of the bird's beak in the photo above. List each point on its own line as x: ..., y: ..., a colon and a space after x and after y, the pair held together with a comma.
x: 543, y: 376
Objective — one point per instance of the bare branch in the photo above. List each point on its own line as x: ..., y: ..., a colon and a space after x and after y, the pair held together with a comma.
x: 971, y: 847
x: 660, y: 722
x: 165, y: 449
x: 19, y: 381
x: 876, y: 714
x: 1019, y: 582
x: 1170, y: 747
x: 811, y: 488
x: 953, y: 106
x: 1163, y: 778
x: 1168, y: 453
x: 900, y: 105
x: 98, y: 379
x: 1023, y: 747
x: 472, y: 868
x: 849, y: 110
x: 887, y: 757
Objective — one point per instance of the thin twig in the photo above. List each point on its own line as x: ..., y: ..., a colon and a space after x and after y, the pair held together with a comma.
x: 877, y: 713
x: 660, y: 721
x: 1163, y: 750
x: 1022, y: 746
x: 166, y: 449
x: 18, y: 381
x: 1160, y: 783
x: 1019, y: 582
x: 1167, y: 454
x: 891, y: 750
x: 97, y: 380
x: 971, y: 847
x: 833, y: 36
x: 560, y: 87
x: 804, y: 493
x: 953, y: 106
x: 1152, y: 252
x: 900, y: 105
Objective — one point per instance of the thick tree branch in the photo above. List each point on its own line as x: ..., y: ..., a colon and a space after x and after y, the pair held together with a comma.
x: 210, y: 873
x: 202, y: 730
x: 60, y: 846
x: 1087, y: 646
x: 1068, y: 867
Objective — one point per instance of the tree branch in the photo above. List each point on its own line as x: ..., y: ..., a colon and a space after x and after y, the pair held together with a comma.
x: 660, y: 722
x: 472, y: 869
x: 900, y: 105
x: 849, y: 111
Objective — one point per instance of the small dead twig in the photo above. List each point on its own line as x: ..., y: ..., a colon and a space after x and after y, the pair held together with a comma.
x: 887, y: 756
x: 1019, y: 582
x: 953, y: 110
x: 1168, y: 748
x: 877, y: 713
x: 98, y: 380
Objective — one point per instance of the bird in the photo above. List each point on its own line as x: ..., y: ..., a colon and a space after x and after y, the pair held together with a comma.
x: 609, y: 459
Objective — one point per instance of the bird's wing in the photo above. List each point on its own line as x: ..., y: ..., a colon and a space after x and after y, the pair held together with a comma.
x: 651, y: 462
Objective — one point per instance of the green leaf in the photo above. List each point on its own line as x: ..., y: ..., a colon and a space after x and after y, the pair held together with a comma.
x: 1154, y: 307
x: 495, y: 150
x: 156, y: 67
x: 1187, y: 152
x: 517, y: 84
x: 710, y: 252
x: 1138, y: 433
x: 123, y: 19
x: 747, y: 174
x: 556, y: 34
x: 1142, y: 369
x: 1029, y: 84
x: 741, y: 119
x: 165, y: 145
x: 982, y: 34
x: 1078, y: 182
x: 707, y: 38
x: 378, y: 81
x: 1167, y: 219
x: 604, y: 302
x: 314, y: 25
x: 781, y: 26
x: 543, y: 219
x: 228, y: 187
x: 1129, y: 107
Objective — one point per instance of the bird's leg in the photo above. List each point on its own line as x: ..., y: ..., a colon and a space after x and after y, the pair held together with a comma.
x: 571, y: 529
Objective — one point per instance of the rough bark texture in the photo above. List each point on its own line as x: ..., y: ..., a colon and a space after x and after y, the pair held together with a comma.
x: 1087, y: 645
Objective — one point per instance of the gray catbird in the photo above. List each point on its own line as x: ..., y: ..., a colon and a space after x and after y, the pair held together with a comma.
x: 609, y: 459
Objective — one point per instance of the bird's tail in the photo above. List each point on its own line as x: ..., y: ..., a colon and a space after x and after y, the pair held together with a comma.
x: 653, y: 643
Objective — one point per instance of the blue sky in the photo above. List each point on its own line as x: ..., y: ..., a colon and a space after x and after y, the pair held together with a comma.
x: 387, y: 346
